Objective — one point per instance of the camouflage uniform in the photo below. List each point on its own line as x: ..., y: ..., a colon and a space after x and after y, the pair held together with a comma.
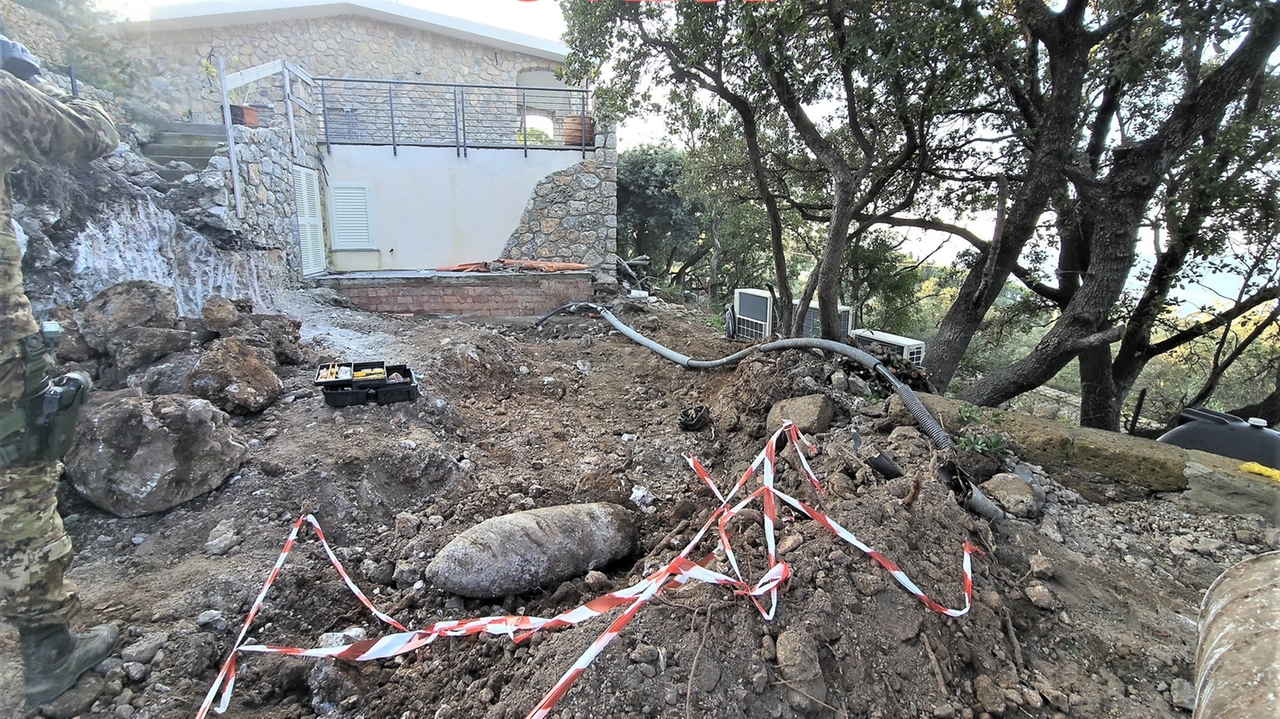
x: 34, y: 549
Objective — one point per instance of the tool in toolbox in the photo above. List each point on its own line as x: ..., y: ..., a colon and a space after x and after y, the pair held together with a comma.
x: 344, y: 384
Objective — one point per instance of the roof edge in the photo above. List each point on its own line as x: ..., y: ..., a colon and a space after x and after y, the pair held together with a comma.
x: 222, y: 13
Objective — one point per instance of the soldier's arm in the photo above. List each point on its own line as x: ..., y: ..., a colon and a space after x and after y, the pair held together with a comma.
x: 46, y: 123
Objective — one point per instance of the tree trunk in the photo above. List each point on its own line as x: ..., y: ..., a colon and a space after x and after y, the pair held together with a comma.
x: 1268, y: 408
x: 1055, y: 142
x: 1122, y: 199
x: 1100, y: 401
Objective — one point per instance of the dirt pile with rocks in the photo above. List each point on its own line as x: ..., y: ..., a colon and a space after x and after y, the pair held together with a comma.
x: 1084, y: 610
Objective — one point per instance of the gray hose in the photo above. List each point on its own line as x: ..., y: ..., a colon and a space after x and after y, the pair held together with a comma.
x: 913, y: 404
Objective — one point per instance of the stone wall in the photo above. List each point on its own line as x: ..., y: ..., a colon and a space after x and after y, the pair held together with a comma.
x: 573, y: 214
x: 206, y: 201
x: 476, y: 295
x: 44, y: 36
x: 338, y: 46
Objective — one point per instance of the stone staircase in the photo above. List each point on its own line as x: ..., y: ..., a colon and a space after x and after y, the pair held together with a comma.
x: 185, y: 142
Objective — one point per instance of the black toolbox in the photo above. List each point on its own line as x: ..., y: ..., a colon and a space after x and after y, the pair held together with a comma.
x: 345, y: 384
x: 339, y: 397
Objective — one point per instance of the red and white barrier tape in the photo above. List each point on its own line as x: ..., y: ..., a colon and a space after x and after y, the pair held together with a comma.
x: 678, y: 571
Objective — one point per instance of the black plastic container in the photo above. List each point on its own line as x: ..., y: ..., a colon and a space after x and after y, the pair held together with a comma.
x: 345, y: 397
x: 1225, y: 434
x: 396, y: 392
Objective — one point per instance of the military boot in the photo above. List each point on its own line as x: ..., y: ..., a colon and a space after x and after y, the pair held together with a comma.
x: 53, y: 659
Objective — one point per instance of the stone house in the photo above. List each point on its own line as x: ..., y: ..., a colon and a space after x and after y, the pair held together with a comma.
x: 417, y: 141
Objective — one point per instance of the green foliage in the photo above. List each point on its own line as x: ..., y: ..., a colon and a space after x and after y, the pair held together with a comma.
x: 980, y: 431
x: 984, y: 442
x: 74, y: 13
x: 535, y: 136
x: 653, y: 218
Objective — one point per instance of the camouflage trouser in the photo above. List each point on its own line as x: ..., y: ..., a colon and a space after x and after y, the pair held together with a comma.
x: 34, y: 549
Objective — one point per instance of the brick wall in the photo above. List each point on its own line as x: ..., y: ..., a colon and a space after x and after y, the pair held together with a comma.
x: 476, y: 295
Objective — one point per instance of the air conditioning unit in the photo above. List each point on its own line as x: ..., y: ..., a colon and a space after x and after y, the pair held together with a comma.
x: 906, y: 347
x: 753, y: 312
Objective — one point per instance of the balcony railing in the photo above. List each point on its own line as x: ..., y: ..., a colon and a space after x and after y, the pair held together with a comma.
x: 436, y: 114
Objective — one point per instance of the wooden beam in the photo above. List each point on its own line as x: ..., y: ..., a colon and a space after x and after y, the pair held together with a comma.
x: 231, y: 137
x: 244, y: 77
x: 303, y: 75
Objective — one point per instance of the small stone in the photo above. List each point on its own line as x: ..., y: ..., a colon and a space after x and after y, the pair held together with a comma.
x: 124, y: 711
x: 407, y: 525
x: 406, y: 574
x: 839, y: 381
x: 597, y: 581
x: 210, y: 617
x: 644, y: 654
x: 378, y: 572
x: 768, y: 649
x: 1040, y: 596
x: 1183, y: 694
x: 944, y: 711
x: 1247, y: 536
x: 648, y: 670
x: 135, y: 671
x: 145, y: 649
x: 1041, y: 566
x: 989, y: 695
x: 222, y: 538
x: 1032, y: 698
x: 1208, y: 546
x: 1049, y: 528
x: 108, y: 665
x: 708, y: 676
x: 139, y: 539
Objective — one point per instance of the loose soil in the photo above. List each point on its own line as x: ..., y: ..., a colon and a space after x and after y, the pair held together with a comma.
x: 514, y: 417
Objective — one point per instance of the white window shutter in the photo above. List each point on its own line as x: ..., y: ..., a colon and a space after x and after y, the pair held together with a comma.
x: 350, y: 211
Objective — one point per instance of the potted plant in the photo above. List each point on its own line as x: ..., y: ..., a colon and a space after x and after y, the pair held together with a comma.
x: 241, y: 114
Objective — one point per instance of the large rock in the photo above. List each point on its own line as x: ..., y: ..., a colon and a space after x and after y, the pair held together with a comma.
x: 1015, y: 495
x: 137, y: 455
x: 811, y: 413
x: 1161, y: 467
x: 798, y: 662
x: 133, y: 348
x: 520, y: 552
x: 235, y: 376
x: 71, y: 347
x: 167, y: 375
x: 277, y: 333
x: 219, y: 313
x: 136, y: 303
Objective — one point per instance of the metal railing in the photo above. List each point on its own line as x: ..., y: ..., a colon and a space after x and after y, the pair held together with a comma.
x: 462, y: 116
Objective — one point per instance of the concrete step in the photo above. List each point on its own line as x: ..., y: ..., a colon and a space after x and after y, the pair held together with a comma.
x: 179, y: 148
x: 172, y: 175
x: 196, y: 161
x: 191, y: 128
x: 175, y: 138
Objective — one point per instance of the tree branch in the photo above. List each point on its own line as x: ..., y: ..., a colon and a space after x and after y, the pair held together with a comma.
x: 1201, y: 329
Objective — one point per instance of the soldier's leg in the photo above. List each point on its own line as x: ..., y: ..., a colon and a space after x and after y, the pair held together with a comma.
x: 35, y: 552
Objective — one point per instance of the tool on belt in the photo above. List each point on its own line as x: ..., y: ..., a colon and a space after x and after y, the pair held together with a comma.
x: 41, y: 425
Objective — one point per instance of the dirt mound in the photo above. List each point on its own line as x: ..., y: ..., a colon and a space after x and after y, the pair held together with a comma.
x: 1101, y: 623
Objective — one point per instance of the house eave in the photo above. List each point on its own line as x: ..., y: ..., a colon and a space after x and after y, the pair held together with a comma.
x: 219, y: 13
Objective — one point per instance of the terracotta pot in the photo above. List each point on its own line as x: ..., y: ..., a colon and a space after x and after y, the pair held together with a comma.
x: 244, y: 115
x: 579, y: 130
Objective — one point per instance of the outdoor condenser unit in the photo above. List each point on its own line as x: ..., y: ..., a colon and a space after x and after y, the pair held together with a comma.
x: 906, y: 347
x: 753, y: 311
